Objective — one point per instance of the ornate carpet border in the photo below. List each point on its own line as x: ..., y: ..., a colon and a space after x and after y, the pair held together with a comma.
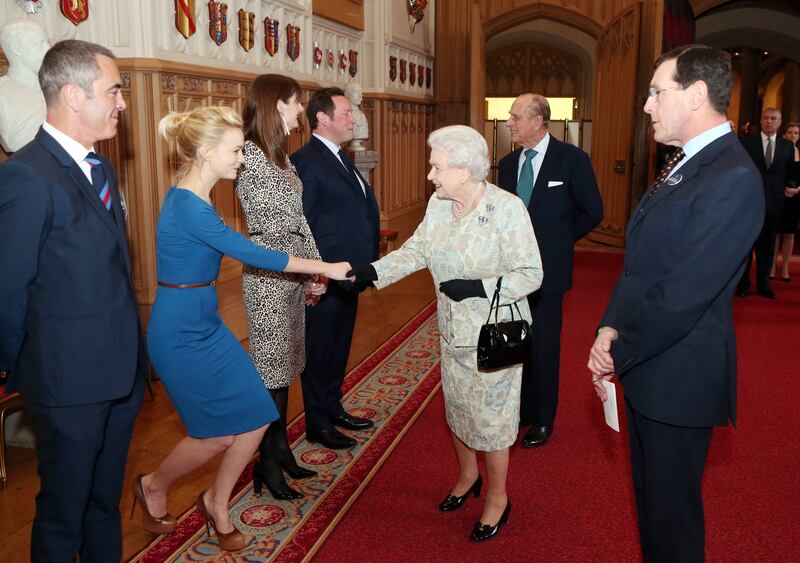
x: 310, y: 530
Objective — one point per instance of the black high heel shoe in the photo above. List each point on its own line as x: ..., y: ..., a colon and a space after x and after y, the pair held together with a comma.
x: 482, y: 532
x: 451, y: 502
x: 259, y: 480
x: 298, y: 472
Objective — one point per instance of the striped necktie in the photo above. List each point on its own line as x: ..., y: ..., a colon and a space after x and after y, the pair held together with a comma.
x: 525, y: 182
x: 99, y: 180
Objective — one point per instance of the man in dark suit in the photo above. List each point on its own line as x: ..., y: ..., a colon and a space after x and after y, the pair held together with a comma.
x: 668, y: 329
x: 557, y: 183
x: 69, y: 326
x: 774, y: 158
x: 343, y: 215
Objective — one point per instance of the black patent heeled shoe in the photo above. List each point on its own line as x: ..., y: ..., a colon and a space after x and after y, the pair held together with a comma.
x: 451, y: 502
x: 259, y: 481
x: 482, y: 532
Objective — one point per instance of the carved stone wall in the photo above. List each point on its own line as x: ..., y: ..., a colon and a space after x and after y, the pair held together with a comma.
x: 531, y: 67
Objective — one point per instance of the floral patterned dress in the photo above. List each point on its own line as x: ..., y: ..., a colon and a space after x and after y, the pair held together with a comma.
x: 271, y: 198
x: 495, y: 239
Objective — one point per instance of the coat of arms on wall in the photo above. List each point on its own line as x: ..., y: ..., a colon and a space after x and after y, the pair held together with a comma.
x: 218, y: 21
x: 293, y: 41
x: 271, y: 36
x: 329, y: 59
x: 416, y: 11
x: 412, y: 74
x: 403, y: 71
x: 75, y: 11
x: 247, y: 32
x: 353, y: 56
x: 392, y: 68
x: 428, y: 76
x: 317, y: 56
x: 184, y: 17
x: 342, y: 61
x: 420, y: 75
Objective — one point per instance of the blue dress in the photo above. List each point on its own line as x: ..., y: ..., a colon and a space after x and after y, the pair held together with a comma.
x: 208, y: 374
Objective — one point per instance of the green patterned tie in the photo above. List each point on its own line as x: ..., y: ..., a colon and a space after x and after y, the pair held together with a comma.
x: 525, y: 182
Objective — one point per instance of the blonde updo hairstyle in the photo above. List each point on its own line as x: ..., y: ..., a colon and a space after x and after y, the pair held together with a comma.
x: 195, y: 128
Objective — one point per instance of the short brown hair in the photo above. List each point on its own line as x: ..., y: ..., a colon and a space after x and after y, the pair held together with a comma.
x: 262, y: 122
x: 697, y: 62
x: 322, y: 101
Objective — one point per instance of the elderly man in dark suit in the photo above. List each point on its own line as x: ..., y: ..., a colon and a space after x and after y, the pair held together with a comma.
x: 343, y: 215
x: 774, y: 157
x: 668, y: 329
x: 556, y: 182
x: 69, y: 327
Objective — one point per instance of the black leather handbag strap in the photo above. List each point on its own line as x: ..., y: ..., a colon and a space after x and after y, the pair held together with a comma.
x: 495, y: 304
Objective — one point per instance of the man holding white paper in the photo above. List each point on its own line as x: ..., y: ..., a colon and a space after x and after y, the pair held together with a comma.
x: 668, y: 329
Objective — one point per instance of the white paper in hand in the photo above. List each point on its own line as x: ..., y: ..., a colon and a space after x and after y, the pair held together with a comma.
x: 610, y: 405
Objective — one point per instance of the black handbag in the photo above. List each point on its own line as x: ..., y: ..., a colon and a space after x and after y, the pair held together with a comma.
x: 503, y: 344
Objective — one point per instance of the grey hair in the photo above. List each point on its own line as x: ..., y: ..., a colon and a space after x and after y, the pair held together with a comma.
x: 70, y: 62
x: 464, y: 147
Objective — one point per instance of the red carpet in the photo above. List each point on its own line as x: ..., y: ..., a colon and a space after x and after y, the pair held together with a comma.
x: 572, y: 499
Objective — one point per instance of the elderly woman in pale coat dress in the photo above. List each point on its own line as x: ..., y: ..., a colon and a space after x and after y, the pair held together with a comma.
x: 472, y: 234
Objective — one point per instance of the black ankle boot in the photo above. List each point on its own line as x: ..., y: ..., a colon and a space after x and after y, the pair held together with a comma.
x: 280, y: 443
x: 274, y: 481
x: 451, y: 502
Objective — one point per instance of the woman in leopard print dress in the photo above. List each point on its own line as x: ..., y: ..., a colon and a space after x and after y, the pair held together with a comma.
x: 271, y: 195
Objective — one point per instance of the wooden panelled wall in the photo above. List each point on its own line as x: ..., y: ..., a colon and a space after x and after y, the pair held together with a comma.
x: 146, y: 165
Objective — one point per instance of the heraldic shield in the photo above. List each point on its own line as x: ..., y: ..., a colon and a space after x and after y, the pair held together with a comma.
x: 247, y: 30
x: 293, y: 41
x: 420, y: 75
x: 75, y: 11
x: 412, y: 74
x: 392, y: 68
x: 271, y: 36
x: 403, y: 71
x: 185, y: 17
x: 353, y: 62
x: 218, y: 21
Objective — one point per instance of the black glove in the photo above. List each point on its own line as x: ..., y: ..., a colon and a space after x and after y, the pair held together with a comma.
x: 458, y: 290
x: 365, y: 274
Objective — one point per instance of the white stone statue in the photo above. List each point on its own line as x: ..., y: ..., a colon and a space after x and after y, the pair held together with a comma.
x: 22, y: 107
x: 352, y: 91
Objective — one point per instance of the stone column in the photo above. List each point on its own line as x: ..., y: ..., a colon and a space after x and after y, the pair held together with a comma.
x: 790, y: 106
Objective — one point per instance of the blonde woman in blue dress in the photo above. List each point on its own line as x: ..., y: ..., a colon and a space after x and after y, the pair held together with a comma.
x: 472, y: 233
x: 210, y: 379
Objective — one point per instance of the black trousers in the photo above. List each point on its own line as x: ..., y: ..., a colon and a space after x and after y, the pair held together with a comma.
x: 667, y: 463
x: 329, y: 331
x: 539, y: 395
x: 764, y: 248
x: 82, y: 451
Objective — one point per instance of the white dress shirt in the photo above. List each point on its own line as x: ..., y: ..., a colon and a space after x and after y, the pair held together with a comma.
x: 536, y: 163
x: 74, y: 149
x: 334, y: 148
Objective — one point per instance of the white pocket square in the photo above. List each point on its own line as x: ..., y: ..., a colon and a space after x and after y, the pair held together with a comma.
x: 554, y: 183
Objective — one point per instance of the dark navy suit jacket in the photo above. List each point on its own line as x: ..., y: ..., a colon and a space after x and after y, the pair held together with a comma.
x: 345, y: 223
x: 686, y: 249
x: 560, y: 214
x: 779, y: 173
x: 69, y: 326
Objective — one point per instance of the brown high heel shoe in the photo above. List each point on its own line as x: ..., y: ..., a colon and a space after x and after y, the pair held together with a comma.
x: 230, y: 541
x: 155, y: 525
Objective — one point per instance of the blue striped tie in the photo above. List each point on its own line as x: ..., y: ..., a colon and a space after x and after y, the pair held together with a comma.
x: 525, y: 182
x: 99, y: 180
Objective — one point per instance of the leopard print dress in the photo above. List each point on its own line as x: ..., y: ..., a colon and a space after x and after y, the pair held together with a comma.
x: 272, y: 202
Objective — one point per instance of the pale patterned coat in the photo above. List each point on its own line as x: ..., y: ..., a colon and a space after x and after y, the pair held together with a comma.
x: 496, y: 239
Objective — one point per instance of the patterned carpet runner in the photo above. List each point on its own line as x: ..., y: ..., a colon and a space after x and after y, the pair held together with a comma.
x: 390, y: 387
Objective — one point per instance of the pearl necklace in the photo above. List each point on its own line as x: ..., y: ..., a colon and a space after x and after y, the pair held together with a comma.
x: 465, y: 210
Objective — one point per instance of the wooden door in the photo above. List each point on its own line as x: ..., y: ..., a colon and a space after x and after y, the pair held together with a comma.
x: 613, y: 122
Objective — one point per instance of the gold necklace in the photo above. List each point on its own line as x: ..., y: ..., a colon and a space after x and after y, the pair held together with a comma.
x: 458, y: 215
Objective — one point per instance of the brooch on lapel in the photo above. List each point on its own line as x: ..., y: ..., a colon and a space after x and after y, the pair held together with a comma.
x: 123, y: 205
x: 482, y: 220
x: 674, y: 180
x: 489, y: 207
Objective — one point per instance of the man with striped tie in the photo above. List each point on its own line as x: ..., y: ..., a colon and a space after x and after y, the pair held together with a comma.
x: 557, y: 184
x: 70, y: 336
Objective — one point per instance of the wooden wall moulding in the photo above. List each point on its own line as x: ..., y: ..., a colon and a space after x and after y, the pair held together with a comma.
x: 346, y: 12
x: 532, y: 67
